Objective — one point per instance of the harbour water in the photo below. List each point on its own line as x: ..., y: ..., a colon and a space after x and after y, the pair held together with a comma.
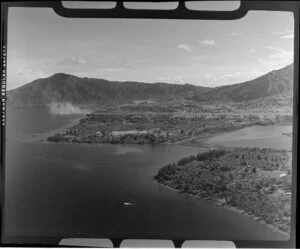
x: 100, y: 191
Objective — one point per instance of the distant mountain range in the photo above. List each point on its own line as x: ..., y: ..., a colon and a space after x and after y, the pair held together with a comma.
x: 273, y: 83
x: 89, y: 91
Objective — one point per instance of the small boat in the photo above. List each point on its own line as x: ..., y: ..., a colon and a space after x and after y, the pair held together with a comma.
x: 128, y: 204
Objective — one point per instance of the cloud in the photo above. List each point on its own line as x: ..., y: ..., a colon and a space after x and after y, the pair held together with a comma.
x: 206, y: 78
x: 125, y: 62
x: 287, y: 36
x: 71, y: 61
x: 215, y: 78
x: 205, y: 57
x: 185, y: 47
x: 28, y: 75
x: 207, y: 42
x: 237, y: 76
x: 282, y: 32
x: 283, y: 55
x: 251, y: 50
x: 134, y: 63
x: 114, y: 69
x: 273, y: 48
x: 171, y: 80
x: 231, y: 75
x: 211, y: 77
x: 21, y: 76
x: 277, y: 59
x: 234, y: 34
x: 189, y: 48
x: 226, y: 68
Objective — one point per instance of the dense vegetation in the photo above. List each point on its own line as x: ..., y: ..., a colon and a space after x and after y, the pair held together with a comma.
x: 257, y: 181
x: 153, y: 121
x: 153, y: 128
x: 147, y: 138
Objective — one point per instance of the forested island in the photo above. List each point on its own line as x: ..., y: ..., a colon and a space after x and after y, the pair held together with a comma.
x: 168, y: 122
x: 255, y: 181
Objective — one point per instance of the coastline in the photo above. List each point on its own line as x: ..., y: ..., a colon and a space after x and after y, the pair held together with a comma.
x: 197, y: 141
x: 219, y: 203
x: 158, y: 128
x: 194, y: 141
x: 184, y: 175
x: 42, y: 137
x: 201, y: 140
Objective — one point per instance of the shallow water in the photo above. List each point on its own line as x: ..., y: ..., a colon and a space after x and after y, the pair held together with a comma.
x: 82, y: 190
x: 270, y: 136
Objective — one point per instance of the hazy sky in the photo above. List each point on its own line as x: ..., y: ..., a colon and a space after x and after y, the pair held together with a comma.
x: 207, y: 53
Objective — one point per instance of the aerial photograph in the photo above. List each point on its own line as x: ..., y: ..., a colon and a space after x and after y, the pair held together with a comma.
x: 125, y: 128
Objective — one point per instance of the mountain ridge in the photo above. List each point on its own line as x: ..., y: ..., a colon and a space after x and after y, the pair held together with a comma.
x: 62, y: 87
x: 276, y: 82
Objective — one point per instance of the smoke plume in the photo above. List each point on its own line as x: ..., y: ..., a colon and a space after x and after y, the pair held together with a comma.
x: 66, y: 109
